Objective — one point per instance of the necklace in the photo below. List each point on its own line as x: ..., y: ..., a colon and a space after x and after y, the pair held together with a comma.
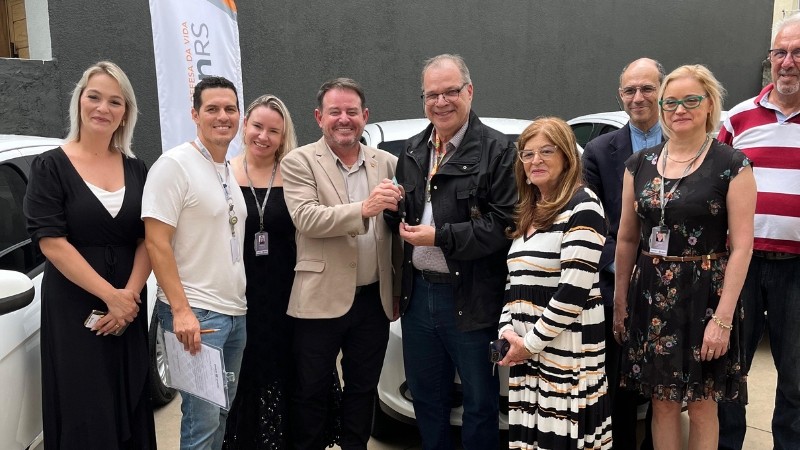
x: 690, y: 160
x: 680, y: 161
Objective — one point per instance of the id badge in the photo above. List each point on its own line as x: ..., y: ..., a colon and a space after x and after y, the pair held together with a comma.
x: 261, y: 243
x: 234, y: 249
x: 659, y: 241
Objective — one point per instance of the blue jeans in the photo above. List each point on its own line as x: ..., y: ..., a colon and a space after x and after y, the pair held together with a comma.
x: 433, y: 350
x: 772, y: 286
x: 203, y: 423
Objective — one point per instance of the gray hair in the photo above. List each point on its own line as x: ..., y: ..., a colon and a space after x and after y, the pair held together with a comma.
x: 123, y: 135
x: 787, y: 21
x: 439, y: 59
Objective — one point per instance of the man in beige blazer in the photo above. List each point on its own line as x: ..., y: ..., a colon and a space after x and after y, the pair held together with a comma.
x: 336, y: 190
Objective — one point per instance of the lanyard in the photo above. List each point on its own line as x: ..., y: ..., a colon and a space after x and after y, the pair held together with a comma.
x: 261, y: 208
x: 438, y: 157
x: 232, y: 219
x: 664, y: 200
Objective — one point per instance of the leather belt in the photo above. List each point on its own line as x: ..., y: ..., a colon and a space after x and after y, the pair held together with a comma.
x: 707, y: 257
x: 436, y: 277
x: 360, y: 289
x: 774, y: 255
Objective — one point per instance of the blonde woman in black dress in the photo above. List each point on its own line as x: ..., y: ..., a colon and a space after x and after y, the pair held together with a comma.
x: 259, y: 417
x: 83, y: 205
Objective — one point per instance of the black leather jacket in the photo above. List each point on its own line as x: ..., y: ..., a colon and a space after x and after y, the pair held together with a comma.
x: 473, y: 195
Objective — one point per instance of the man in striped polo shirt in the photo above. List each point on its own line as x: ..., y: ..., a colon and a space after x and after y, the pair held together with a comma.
x: 767, y: 129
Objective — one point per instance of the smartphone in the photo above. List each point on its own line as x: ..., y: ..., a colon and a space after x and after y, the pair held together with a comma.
x: 95, y: 316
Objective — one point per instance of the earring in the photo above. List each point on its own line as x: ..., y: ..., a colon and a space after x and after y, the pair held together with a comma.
x: 527, y: 181
x: 123, y: 122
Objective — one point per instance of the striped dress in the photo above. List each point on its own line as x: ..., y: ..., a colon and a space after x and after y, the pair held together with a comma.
x: 557, y: 399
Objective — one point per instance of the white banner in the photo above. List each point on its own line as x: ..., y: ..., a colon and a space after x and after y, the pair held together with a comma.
x: 192, y: 39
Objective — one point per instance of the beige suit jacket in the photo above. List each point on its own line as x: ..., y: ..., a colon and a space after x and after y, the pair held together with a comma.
x: 327, y: 226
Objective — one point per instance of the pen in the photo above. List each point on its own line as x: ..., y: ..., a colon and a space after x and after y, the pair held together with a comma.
x: 210, y: 330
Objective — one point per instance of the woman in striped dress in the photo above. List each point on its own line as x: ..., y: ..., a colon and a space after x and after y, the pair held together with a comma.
x: 553, y: 317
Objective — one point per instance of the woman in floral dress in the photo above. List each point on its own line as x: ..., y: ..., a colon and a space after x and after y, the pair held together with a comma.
x: 689, y: 205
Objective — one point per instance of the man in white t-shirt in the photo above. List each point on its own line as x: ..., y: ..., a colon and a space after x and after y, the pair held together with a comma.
x: 194, y: 216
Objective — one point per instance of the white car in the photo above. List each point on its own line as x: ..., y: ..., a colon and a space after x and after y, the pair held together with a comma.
x: 394, y: 401
x: 391, y: 135
x: 20, y: 307
x: 590, y: 126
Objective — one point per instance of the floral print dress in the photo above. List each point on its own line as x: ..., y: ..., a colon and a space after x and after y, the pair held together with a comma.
x: 670, y: 302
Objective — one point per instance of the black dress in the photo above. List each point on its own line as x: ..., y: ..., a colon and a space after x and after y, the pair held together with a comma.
x: 259, y: 416
x: 671, y: 302
x: 95, y: 390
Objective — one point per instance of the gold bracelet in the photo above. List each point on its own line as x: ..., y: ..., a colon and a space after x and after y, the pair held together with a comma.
x: 721, y: 324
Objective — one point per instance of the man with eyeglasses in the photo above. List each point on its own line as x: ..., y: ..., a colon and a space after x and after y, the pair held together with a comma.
x: 604, y: 164
x: 767, y: 129
x: 460, y: 196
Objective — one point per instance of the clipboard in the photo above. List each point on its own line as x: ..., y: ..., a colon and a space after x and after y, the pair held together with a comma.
x: 202, y: 375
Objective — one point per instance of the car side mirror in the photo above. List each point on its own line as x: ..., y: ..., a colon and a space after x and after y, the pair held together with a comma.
x: 16, y: 291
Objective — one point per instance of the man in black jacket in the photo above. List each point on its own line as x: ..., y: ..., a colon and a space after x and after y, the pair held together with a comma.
x: 460, y: 196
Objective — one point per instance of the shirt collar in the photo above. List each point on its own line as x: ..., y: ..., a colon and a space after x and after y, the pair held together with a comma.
x: 763, y: 100
x: 652, y: 129
x: 341, y: 165
x: 455, y: 141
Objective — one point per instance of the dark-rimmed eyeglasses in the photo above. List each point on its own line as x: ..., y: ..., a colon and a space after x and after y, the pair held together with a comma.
x: 690, y: 102
x: 777, y: 55
x: 630, y: 91
x: 545, y: 153
x: 449, y: 96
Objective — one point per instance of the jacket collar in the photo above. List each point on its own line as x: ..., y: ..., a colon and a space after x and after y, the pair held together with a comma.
x: 467, y: 151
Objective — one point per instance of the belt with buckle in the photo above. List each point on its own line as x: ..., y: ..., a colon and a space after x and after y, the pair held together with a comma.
x: 436, y: 277
x: 708, y: 257
x: 774, y: 255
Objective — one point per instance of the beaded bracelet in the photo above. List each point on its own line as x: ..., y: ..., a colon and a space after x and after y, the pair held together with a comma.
x: 720, y: 323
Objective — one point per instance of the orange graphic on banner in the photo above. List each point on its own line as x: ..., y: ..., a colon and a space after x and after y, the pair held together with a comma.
x: 230, y: 4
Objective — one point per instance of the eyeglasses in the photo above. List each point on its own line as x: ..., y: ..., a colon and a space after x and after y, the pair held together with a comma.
x: 449, y: 95
x: 544, y: 153
x: 777, y: 55
x: 690, y: 102
x: 630, y: 91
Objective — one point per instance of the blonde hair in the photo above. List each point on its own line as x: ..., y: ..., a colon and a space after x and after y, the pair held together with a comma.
x: 533, y: 210
x: 123, y: 135
x: 289, y: 136
x: 711, y: 86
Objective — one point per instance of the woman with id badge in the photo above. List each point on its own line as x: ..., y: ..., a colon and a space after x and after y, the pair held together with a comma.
x: 259, y: 415
x: 684, y: 245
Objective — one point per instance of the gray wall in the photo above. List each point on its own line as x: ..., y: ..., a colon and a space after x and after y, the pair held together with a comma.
x: 30, y: 98
x: 527, y: 57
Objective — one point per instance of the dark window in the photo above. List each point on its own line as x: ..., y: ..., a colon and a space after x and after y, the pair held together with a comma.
x: 583, y: 132
x: 16, y: 250
x: 393, y: 147
x: 607, y: 129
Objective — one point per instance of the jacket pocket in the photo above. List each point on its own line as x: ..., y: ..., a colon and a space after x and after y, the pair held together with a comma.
x: 309, y: 266
x: 468, y: 198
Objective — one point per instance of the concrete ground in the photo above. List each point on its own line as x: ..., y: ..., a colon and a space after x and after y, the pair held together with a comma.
x: 761, y: 391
